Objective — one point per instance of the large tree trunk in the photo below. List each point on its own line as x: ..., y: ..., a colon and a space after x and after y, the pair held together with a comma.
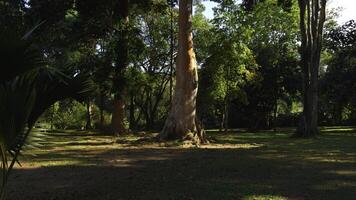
x: 118, y: 115
x: 312, y: 18
x: 182, y: 121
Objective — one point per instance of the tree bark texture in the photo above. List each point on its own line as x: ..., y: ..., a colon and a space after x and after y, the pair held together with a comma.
x: 88, y: 115
x: 312, y: 19
x: 118, y: 115
x: 182, y: 121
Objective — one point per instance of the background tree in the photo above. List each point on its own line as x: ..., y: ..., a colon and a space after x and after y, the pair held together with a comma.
x: 225, y: 72
x: 275, y: 49
x: 337, y: 82
x: 152, y: 72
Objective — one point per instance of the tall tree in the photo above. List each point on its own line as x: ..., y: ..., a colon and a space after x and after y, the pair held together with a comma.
x: 224, y: 73
x: 312, y: 19
x: 182, y: 121
x: 118, y: 114
x: 337, y: 84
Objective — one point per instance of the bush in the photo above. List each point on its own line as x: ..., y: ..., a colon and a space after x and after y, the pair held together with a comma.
x: 66, y: 114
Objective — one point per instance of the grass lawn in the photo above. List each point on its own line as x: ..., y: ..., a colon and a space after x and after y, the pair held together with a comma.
x: 241, y: 165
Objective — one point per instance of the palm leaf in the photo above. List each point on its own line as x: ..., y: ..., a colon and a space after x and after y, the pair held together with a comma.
x: 18, y: 56
x: 27, y: 89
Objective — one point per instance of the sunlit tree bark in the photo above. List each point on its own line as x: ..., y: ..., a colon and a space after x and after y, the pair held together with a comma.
x: 89, y: 114
x: 182, y: 121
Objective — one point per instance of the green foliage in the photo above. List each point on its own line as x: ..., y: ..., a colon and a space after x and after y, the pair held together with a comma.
x: 202, y: 32
x: 338, y: 105
x: 230, y: 63
x: 274, y: 43
x: 69, y: 115
x: 149, y: 75
x: 251, y: 61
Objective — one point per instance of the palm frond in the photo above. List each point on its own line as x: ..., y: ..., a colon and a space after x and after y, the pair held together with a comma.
x: 27, y: 89
x: 17, y: 56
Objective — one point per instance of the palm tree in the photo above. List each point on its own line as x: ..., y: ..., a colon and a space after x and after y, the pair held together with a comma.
x: 27, y: 88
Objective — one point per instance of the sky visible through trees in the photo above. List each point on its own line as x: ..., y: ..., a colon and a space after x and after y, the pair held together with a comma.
x: 347, y: 6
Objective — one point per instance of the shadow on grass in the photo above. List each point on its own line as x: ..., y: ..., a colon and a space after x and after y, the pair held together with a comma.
x: 277, y: 168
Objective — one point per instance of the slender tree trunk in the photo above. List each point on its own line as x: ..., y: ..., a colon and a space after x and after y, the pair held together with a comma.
x: 182, y: 121
x: 171, y: 53
x: 275, y: 110
x: 132, y: 113
x: 222, y: 122
x: 312, y: 18
x: 226, y: 116
x: 52, y: 117
x: 101, y: 108
x: 227, y: 100
x: 118, y: 115
x: 338, y: 115
x: 89, y: 114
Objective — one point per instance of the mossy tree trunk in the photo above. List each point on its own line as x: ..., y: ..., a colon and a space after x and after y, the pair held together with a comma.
x: 182, y: 121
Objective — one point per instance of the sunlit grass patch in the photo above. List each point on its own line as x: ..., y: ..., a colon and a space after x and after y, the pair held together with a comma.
x: 334, y: 185
x: 232, y: 146
x: 49, y: 163
x: 265, y: 197
x: 338, y: 131
x: 334, y: 159
x: 343, y: 172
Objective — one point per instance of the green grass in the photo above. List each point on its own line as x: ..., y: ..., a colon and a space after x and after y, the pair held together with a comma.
x: 239, y: 165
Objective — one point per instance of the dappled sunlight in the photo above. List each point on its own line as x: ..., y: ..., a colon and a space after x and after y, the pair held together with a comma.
x: 342, y: 172
x: 232, y: 146
x: 265, y: 197
x: 233, y: 166
x: 272, y: 156
x: 48, y: 163
x: 335, y: 185
x: 331, y: 158
x: 336, y: 129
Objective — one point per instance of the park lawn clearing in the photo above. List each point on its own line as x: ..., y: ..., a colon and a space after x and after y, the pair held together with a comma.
x: 240, y: 165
